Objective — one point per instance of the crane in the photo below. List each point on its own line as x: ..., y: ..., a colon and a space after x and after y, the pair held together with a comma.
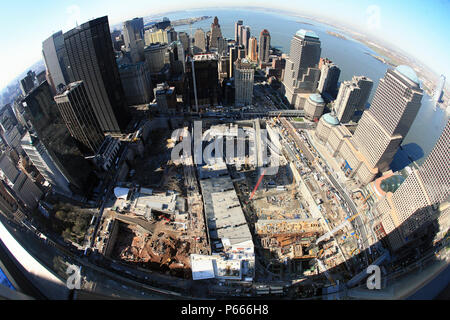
x: 257, y: 185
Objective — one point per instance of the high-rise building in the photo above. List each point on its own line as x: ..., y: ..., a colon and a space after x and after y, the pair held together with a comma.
x: 253, y: 49
x: 329, y: 76
x: 90, y: 58
x: 199, y: 41
x: 206, y: 79
x: 314, y: 107
x: 176, y: 58
x: 43, y: 161
x: 385, y: 124
x: 154, y: 35
x: 264, y: 47
x: 184, y: 38
x: 222, y: 46
x: 27, y: 83
x: 136, y: 82
x: 416, y: 201
x: 10, y: 128
x: 243, y: 82
x: 53, y: 51
x: 236, y: 30
x: 78, y: 114
x: 46, y: 121
x: 301, y: 72
x: 233, y: 57
x: 245, y: 38
x: 155, y: 56
x: 134, y: 39
x: 216, y: 33
x: 439, y: 90
x: 347, y: 100
x: 165, y: 97
x: 172, y: 35
x: 20, y: 184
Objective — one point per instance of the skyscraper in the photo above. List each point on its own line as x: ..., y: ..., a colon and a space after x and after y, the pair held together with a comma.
x: 132, y: 37
x: 136, y: 82
x: 27, y: 83
x: 236, y: 30
x: 215, y: 33
x: 253, y: 49
x: 394, y: 107
x: 78, y: 114
x: 46, y: 120
x: 416, y: 200
x: 233, y: 57
x: 301, y: 73
x: 53, y: 51
x: 264, y: 46
x: 184, y: 38
x: 90, y: 58
x: 439, y: 90
x: 245, y: 38
x: 206, y: 79
x: 329, y: 76
x: 243, y: 82
x: 199, y: 41
x: 347, y: 100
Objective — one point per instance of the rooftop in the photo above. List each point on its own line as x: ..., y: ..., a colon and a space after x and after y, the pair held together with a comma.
x: 306, y: 33
x: 330, y: 119
x: 408, y: 72
x: 316, y: 98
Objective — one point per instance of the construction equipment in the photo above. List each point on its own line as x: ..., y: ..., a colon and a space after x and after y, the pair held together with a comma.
x: 366, y: 198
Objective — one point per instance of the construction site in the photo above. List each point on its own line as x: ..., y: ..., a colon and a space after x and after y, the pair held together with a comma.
x: 227, y: 219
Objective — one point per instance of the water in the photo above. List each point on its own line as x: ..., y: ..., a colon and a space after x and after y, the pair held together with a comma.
x: 4, y: 280
x: 350, y: 55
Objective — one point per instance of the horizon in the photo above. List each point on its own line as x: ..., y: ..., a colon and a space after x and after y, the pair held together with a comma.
x: 374, y: 16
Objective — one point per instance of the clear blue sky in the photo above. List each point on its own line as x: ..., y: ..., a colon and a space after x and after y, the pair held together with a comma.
x: 419, y: 27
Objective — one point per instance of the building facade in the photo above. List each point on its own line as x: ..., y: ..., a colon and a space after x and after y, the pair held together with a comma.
x: 264, y: 47
x: 90, y: 58
x: 53, y: 51
x: 78, y: 114
x: 243, y: 82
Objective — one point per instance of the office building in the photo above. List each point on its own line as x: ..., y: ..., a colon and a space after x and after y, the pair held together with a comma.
x: 91, y: 59
x: 27, y: 83
x: 439, y: 90
x: 185, y: 40
x: 418, y: 199
x: 329, y: 77
x: 136, y: 82
x: 233, y: 57
x: 78, y: 114
x: 20, y: 184
x: 133, y: 39
x: 165, y: 97
x: 314, y: 106
x: 352, y: 97
x: 199, y: 41
x: 216, y: 33
x: 245, y: 38
x: 206, y: 80
x: 10, y: 129
x: 155, y: 57
x: 152, y: 36
x: 48, y: 125
x: 44, y: 163
x: 176, y: 58
x: 53, y: 51
x: 222, y: 46
x: 301, y: 74
x: 243, y: 82
x: 253, y: 49
x: 237, y: 26
x: 325, y: 125
x: 264, y: 47
x: 385, y: 124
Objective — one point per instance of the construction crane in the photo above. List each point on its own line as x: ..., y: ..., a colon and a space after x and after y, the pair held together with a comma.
x: 257, y: 185
x: 366, y: 198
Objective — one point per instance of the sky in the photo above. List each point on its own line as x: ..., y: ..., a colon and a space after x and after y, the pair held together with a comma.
x: 418, y: 27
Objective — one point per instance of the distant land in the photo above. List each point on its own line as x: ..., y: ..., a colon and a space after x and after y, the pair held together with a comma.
x: 303, y: 22
x: 337, y: 35
x: 182, y: 22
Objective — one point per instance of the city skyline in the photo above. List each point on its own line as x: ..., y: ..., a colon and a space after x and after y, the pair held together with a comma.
x: 374, y: 19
